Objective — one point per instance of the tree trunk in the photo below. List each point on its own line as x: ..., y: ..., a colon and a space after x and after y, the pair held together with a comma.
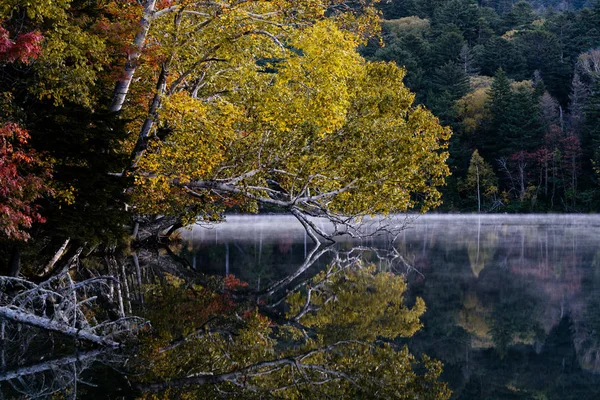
x: 478, y: 191
x: 56, y: 257
x: 53, y: 326
x: 142, y: 141
x: 122, y: 86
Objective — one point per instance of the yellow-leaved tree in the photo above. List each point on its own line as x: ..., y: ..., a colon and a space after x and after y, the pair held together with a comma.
x: 268, y: 102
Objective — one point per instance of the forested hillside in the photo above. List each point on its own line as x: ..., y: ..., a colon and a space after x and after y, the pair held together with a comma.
x: 520, y: 87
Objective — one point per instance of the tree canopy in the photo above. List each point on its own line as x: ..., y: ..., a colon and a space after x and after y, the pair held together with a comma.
x: 294, y: 119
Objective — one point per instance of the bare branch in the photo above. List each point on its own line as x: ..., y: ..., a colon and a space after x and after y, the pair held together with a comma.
x: 49, y: 325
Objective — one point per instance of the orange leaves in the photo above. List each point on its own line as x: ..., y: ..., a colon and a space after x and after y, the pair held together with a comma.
x: 234, y: 283
x: 13, y: 132
x: 164, y: 4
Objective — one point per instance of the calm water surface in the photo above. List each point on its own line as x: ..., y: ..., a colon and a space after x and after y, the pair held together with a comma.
x: 513, y: 301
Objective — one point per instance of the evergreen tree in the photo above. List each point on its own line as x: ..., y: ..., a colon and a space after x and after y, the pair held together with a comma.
x: 448, y: 45
x: 520, y: 16
x: 501, y: 53
x: 448, y: 84
x: 461, y: 13
x: 561, y: 48
x: 577, y: 101
x: 522, y: 128
x: 499, y: 106
x: 591, y: 130
x: 397, y: 8
x: 451, y: 77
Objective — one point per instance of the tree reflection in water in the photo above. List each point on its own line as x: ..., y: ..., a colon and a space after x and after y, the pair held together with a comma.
x: 318, y: 331
x: 329, y: 333
x: 500, y: 292
x: 512, y: 312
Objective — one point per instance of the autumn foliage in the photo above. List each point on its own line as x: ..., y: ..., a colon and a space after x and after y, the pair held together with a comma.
x: 24, y: 48
x: 22, y: 176
x: 21, y: 171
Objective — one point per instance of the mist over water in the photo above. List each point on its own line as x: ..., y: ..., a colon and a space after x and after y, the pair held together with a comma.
x: 246, y: 227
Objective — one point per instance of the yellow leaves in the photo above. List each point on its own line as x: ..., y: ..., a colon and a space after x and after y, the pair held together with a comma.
x: 365, y: 305
x: 198, y: 137
x: 471, y: 109
x: 37, y: 10
x: 65, y: 195
x: 173, y: 280
x: 315, y: 110
x: 395, y: 150
x: 311, y: 85
x: 68, y: 66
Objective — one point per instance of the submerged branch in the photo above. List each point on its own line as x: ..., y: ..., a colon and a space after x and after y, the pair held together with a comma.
x: 53, y: 326
x: 49, y: 365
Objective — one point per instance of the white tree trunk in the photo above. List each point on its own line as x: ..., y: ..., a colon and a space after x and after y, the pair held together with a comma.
x: 56, y: 257
x: 478, y: 191
x: 53, y: 326
x: 122, y: 86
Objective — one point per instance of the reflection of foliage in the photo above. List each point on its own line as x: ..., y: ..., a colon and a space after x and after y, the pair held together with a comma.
x: 524, y: 373
x: 473, y: 319
x: 481, y: 254
x: 587, y: 329
x: 357, y: 304
x: 513, y: 317
x: 213, y: 344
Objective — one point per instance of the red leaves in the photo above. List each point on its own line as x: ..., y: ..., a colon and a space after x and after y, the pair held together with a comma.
x: 164, y: 4
x: 22, y: 173
x: 22, y: 181
x: 24, y: 48
x: 233, y: 283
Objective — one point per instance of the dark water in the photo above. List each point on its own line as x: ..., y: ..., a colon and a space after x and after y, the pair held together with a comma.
x: 513, y: 301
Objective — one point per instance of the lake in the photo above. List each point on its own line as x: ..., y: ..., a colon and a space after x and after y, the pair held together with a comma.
x: 513, y: 301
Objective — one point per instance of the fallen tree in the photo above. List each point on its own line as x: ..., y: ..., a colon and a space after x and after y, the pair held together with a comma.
x: 61, y: 305
x: 26, y: 318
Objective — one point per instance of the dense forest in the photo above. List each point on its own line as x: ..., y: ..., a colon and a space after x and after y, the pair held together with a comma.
x: 114, y: 113
x: 518, y: 84
x: 109, y: 117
